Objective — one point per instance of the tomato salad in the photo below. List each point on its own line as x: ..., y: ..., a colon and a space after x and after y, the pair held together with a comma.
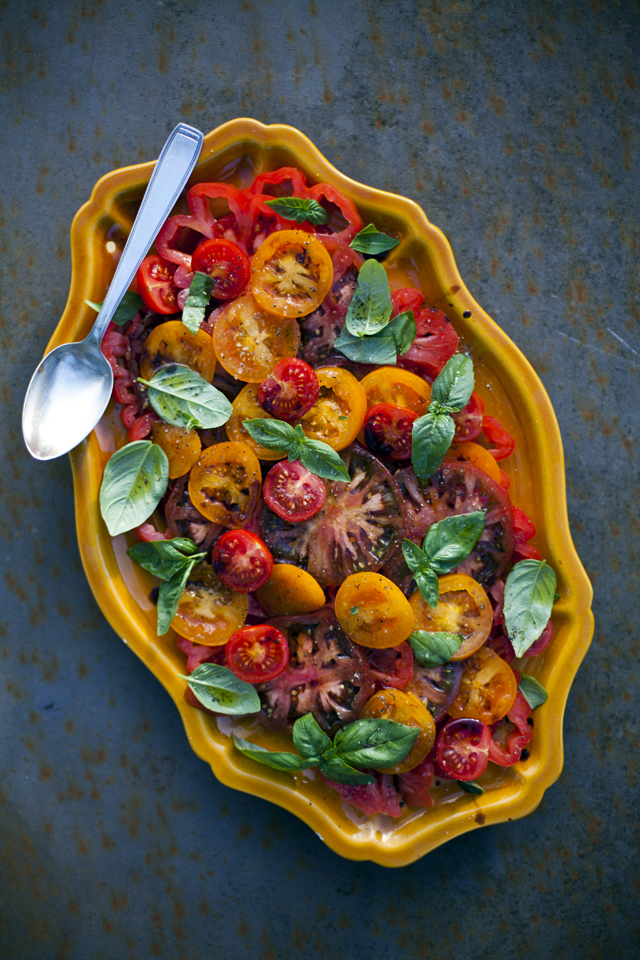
x: 316, y: 486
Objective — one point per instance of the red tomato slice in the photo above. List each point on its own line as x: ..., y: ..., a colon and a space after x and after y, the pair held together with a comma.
x: 414, y: 784
x: 391, y: 666
x: 290, y: 390
x: 503, y: 442
x: 226, y: 263
x: 462, y: 750
x: 507, y: 753
x: 523, y: 529
x: 525, y: 551
x: 372, y: 798
x: 387, y: 430
x: 435, y: 343
x: 347, y: 211
x: 407, y: 298
x: 242, y: 561
x: 197, y: 653
x: 291, y: 491
x: 155, y: 284
x: 257, y: 654
x: 541, y: 643
x: 468, y: 421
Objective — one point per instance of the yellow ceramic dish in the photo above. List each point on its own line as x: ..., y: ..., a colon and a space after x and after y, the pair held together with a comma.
x: 237, y: 151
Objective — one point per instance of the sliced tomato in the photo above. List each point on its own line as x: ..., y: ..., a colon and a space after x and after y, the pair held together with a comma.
x: 226, y: 263
x: 501, y: 645
x: 391, y: 666
x: 246, y: 407
x: 502, y: 443
x: 291, y: 274
x: 337, y: 415
x: 387, y: 430
x: 407, y: 298
x: 147, y: 533
x: 282, y: 177
x: 414, y: 784
x: 242, y: 561
x: 523, y: 529
x: 182, y: 447
x: 320, y: 329
x: 403, y: 707
x: 208, y: 612
x: 506, y: 745
x: 257, y: 654
x: 526, y: 551
x: 436, y: 687
x: 463, y: 609
x: 397, y: 386
x: 462, y: 749
x: 542, y: 642
x: 487, y: 690
x: 373, y: 611
x: 156, y: 286
x: 293, y: 492
x: 249, y: 341
x: 184, y: 520
x: 172, y: 342
x: 435, y: 343
x: 359, y: 527
x: 197, y: 653
x: 290, y: 390
x: 346, y: 209
x: 224, y: 484
x: 371, y: 798
x: 468, y: 421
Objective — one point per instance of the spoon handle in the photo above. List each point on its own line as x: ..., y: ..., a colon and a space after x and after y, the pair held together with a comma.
x: 174, y: 166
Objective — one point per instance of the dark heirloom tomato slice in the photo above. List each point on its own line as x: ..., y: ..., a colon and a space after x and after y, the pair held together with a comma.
x: 435, y: 343
x: 462, y: 749
x: 436, y: 687
x: 387, y: 430
x: 257, y: 653
x: 290, y: 390
x: 319, y: 331
x: 241, y: 560
x: 359, y: 527
x: 327, y: 675
x: 226, y: 264
x: 292, y: 492
x: 391, y: 666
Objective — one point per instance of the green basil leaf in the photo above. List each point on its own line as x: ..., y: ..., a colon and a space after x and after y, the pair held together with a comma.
x: 453, y: 386
x: 289, y: 762
x: 163, y: 558
x: 528, y: 599
x: 197, y: 299
x: 375, y: 742
x: 403, y: 330
x: 294, y: 208
x: 380, y: 348
x: 470, y: 786
x: 533, y: 691
x: 370, y: 307
x: 371, y: 242
x: 414, y: 556
x: 450, y: 541
x: 428, y: 585
x: 182, y: 397
x: 275, y: 434
x: 321, y: 459
x: 309, y: 738
x: 170, y: 593
x: 434, y: 649
x: 134, y: 482
x: 130, y: 304
x: 334, y: 768
x: 431, y: 437
x: 217, y: 688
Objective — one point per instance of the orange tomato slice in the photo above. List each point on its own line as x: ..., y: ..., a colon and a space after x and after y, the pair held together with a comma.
x: 246, y: 407
x: 225, y: 483
x: 473, y: 453
x: 463, y: 608
x: 373, y: 611
x: 338, y: 414
x: 182, y: 447
x: 208, y: 612
x: 291, y: 273
x: 403, y: 708
x: 397, y: 386
x: 290, y: 591
x: 172, y: 342
x: 487, y: 690
x: 249, y: 341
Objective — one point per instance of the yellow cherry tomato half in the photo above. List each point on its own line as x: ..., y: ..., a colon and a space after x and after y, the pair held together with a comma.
x: 403, y: 708
x: 373, y: 611
x: 397, y: 386
x: 473, y: 453
x: 182, y: 447
x: 337, y: 415
x: 249, y: 341
x: 172, y: 342
x: 246, y: 407
x: 225, y: 483
x: 291, y: 273
x: 290, y: 591
x: 487, y: 690
x: 208, y: 612
x: 463, y: 608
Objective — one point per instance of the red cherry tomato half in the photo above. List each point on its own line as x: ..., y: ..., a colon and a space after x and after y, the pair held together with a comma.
x: 523, y: 529
x: 542, y: 642
x: 242, y: 561
x: 462, y: 750
x: 468, y: 421
x: 436, y: 342
x: 502, y: 442
x: 155, y: 284
x: 391, y: 666
x: 387, y: 430
x: 257, y: 654
x: 290, y: 390
x: 407, y: 298
x: 226, y: 264
x: 292, y: 492
x: 507, y: 753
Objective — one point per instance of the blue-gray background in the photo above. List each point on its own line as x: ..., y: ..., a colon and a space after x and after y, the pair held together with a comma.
x: 515, y: 124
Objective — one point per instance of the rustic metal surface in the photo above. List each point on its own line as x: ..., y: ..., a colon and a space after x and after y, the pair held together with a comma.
x: 515, y: 124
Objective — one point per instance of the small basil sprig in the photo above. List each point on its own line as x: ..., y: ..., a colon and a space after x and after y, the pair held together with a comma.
x: 432, y: 433
x: 370, y: 307
x: 217, y: 688
x: 533, y: 691
x: 528, y: 598
x: 364, y: 743
x: 434, y: 649
x: 447, y: 543
x: 172, y: 561
x: 197, y: 300
x: 134, y: 482
x: 382, y: 347
x: 371, y: 242
x: 127, y: 309
x: 316, y: 456
x: 470, y: 786
x: 294, y: 208
x: 182, y: 397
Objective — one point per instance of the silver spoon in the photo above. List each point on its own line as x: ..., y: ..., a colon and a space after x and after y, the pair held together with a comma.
x: 72, y: 385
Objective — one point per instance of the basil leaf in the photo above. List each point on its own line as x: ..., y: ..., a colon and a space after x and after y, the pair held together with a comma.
x: 217, y: 688
x: 403, y: 330
x: 528, y: 599
x: 372, y: 242
x: 450, y: 541
x: 170, y: 593
x: 431, y: 437
x: 428, y: 585
x: 380, y: 348
x: 370, y: 307
x: 470, y: 786
x: 275, y: 434
x: 453, y: 386
x: 197, y: 299
x: 375, y: 742
x: 163, y: 558
x: 134, y: 482
x: 288, y: 762
x: 130, y: 304
x: 321, y: 459
x: 293, y: 208
x: 309, y: 738
x: 182, y: 397
x: 434, y: 649
x: 334, y: 768
x: 533, y: 691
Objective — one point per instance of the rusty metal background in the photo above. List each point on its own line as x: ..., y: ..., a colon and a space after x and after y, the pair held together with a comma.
x: 515, y: 124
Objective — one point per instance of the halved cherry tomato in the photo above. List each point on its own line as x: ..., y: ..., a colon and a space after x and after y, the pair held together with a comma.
x: 463, y: 608
x: 182, y: 447
x: 523, y: 529
x: 510, y: 752
x: 462, y: 749
x: 241, y: 560
x: 224, y: 484
x: 172, y: 342
x: 226, y: 263
x: 407, y: 298
x: 293, y: 492
x: 397, y: 386
x: 387, y: 430
x: 291, y: 273
x: 541, y: 644
x: 290, y: 390
x: 475, y: 454
x: 468, y: 421
x: 487, y: 689
x: 155, y: 284
x: 257, y: 654
x: 403, y: 708
x: 435, y: 343
x: 246, y: 407
x: 502, y: 442
x: 337, y: 415
x: 372, y: 611
x: 391, y: 666
x: 290, y: 592
x: 208, y: 612
x: 249, y: 341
